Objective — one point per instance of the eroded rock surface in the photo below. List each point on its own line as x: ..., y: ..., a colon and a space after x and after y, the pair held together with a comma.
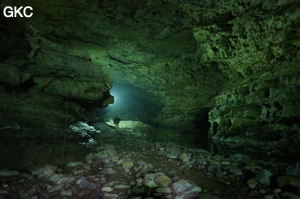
x: 240, y: 58
x: 261, y: 113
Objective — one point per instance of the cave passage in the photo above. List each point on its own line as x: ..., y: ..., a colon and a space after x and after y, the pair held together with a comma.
x: 131, y: 104
x: 127, y: 104
x: 136, y: 108
x: 207, y: 92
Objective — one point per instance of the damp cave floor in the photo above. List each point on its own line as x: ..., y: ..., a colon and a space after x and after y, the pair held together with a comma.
x: 129, y: 144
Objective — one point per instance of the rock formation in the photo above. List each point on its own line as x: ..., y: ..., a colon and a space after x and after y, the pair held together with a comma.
x: 237, y: 58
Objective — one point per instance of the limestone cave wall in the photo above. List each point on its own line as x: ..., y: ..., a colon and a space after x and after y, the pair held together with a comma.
x: 266, y: 110
x: 43, y: 86
x: 187, y: 56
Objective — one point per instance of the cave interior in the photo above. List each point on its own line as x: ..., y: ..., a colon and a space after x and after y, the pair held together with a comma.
x: 208, y: 93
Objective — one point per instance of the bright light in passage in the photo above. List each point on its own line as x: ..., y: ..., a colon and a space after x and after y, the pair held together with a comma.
x: 116, y: 96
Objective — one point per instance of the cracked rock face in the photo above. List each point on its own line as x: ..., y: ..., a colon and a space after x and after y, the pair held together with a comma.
x: 188, y: 56
x: 263, y: 110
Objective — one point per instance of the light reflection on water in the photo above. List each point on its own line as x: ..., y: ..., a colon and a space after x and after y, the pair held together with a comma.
x: 276, y: 153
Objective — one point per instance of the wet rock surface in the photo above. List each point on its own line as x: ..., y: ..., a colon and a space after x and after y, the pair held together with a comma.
x: 180, y: 56
x: 260, y: 116
x: 236, y: 61
x: 126, y: 165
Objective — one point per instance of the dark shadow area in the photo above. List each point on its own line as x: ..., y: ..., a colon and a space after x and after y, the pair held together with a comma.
x: 20, y: 88
x: 199, y: 138
x: 13, y: 42
x: 201, y: 123
x: 89, y: 105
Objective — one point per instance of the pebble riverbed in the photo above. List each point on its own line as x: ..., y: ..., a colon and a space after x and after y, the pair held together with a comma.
x: 126, y: 165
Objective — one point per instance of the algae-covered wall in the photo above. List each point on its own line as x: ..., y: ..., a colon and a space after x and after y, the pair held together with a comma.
x: 265, y: 110
x: 239, y: 59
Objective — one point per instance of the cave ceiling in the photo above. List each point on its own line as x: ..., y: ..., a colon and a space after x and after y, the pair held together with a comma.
x: 180, y: 53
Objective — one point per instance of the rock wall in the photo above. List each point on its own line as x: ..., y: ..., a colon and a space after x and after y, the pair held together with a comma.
x: 34, y: 97
x: 182, y: 53
x: 40, y: 80
x: 264, y: 110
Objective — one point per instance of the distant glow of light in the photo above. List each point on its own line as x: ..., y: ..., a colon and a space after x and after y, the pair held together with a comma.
x: 116, y: 97
x: 117, y: 93
x: 124, y: 101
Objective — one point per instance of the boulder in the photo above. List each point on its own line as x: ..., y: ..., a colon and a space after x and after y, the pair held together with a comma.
x: 252, y: 183
x: 45, y: 172
x: 181, y: 186
x: 163, y: 181
x: 164, y: 190
x: 212, y: 168
x: 87, y: 185
x: 55, y: 188
x: 149, y: 179
x: 66, y: 192
x: 174, y: 151
x: 122, y: 186
x: 107, y: 189
x: 75, y: 164
x: 293, y: 169
x: 136, y: 190
x: 288, y: 180
x: 66, y: 180
x: 188, y: 195
x: 8, y: 173
x: 55, y: 177
x: 263, y: 177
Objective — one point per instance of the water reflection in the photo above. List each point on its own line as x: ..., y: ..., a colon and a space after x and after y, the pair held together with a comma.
x: 277, y: 152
